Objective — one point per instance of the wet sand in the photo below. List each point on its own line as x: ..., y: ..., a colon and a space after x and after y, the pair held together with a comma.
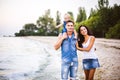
x: 108, y: 52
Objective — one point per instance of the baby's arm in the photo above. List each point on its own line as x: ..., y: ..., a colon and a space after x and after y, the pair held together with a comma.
x: 59, y: 25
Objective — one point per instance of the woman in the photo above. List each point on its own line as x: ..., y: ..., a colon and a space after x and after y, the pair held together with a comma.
x: 86, y: 44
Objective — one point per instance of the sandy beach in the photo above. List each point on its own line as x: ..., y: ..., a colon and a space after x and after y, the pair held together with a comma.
x: 108, y: 51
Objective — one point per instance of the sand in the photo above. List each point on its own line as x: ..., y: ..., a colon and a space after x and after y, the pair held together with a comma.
x: 108, y: 52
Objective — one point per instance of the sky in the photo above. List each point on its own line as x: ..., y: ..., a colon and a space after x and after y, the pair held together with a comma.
x: 15, y: 13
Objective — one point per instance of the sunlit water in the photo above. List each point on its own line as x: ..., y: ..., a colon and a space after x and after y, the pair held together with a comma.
x: 26, y: 59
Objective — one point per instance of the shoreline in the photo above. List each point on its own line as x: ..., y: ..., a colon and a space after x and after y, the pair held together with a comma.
x: 108, y: 52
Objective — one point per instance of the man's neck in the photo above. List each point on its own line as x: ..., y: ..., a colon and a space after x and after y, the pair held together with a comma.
x: 69, y: 34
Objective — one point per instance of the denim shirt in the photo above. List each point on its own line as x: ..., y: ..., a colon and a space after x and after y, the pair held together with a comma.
x: 64, y: 27
x: 68, y: 48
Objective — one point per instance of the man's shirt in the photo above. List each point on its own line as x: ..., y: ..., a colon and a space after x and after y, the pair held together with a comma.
x: 68, y: 48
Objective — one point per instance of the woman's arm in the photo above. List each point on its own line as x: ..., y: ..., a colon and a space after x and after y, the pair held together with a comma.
x: 92, y: 40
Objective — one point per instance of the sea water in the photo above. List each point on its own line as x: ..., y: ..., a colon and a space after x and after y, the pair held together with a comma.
x: 25, y: 59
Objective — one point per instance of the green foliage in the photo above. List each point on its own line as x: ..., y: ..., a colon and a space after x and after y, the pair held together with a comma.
x: 22, y: 33
x: 28, y: 29
x: 46, y: 25
x: 71, y: 14
x: 104, y: 21
x: 103, y: 4
x: 115, y: 14
x: 93, y: 13
x: 81, y: 15
x: 114, y: 32
x: 58, y: 20
x: 108, y: 18
x: 16, y: 34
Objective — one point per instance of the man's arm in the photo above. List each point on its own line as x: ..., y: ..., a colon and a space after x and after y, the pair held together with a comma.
x: 59, y: 41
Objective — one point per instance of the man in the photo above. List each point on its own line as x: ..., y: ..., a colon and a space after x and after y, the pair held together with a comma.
x: 69, y: 60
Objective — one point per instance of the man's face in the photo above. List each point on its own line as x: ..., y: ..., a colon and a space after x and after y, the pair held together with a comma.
x: 70, y: 27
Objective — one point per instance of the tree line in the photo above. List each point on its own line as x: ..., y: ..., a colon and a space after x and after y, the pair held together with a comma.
x: 104, y: 21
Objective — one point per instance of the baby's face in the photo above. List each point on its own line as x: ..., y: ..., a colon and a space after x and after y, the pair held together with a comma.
x: 66, y: 18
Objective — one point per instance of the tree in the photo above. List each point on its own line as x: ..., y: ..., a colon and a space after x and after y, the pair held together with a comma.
x: 103, y: 4
x: 71, y: 14
x: 46, y: 24
x: 115, y: 14
x: 108, y: 18
x: 29, y: 27
x: 114, y: 32
x: 81, y: 15
x: 92, y: 13
x: 22, y: 33
x: 58, y: 20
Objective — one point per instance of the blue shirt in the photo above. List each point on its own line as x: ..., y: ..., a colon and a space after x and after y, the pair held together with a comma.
x: 64, y: 27
x: 68, y: 48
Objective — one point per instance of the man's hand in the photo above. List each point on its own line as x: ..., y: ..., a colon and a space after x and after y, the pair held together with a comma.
x: 61, y: 37
x: 64, y: 35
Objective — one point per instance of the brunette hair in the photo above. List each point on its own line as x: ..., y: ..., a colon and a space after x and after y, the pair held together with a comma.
x: 81, y: 38
x: 69, y: 21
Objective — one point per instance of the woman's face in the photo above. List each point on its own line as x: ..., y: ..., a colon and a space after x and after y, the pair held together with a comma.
x: 83, y: 31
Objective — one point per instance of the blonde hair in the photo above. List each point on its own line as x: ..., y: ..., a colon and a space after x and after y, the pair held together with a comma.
x: 67, y: 14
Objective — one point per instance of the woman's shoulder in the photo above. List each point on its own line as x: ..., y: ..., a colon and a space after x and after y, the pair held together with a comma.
x: 92, y: 37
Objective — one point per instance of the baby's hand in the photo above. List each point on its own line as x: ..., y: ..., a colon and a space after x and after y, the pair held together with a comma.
x: 58, y: 26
